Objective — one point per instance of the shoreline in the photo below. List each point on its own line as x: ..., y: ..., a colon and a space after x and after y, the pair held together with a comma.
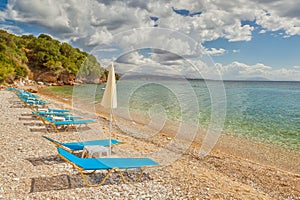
x: 261, y: 152
x: 31, y: 166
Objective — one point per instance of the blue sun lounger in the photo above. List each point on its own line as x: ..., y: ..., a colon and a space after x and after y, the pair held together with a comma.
x: 32, y: 101
x: 78, y: 146
x: 11, y: 89
x: 24, y: 94
x: 58, y: 110
x: 60, y: 118
x: 51, y: 111
x: 50, y: 117
x: 109, y: 164
x: 67, y: 124
x: 44, y: 113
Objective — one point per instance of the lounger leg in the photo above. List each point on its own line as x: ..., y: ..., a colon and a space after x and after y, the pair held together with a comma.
x: 54, y: 127
x: 137, y: 179
x: 107, y: 175
x: 95, y: 185
x: 43, y: 120
x: 122, y: 176
x: 71, y: 126
x: 141, y: 174
x: 74, y: 128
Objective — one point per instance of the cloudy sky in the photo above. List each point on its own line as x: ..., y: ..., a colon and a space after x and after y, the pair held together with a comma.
x: 237, y: 39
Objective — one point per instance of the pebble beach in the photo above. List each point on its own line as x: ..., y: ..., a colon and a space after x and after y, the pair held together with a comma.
x: 237, y: 168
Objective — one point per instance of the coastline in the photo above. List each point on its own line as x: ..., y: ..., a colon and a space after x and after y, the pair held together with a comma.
x: 256, y: 151
x: 226, y: 173
x: 234, y: 148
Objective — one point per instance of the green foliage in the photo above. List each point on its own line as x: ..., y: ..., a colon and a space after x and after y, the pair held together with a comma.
x: 20, y: 55
x: 21, y: 71
x: 105, y: 75
x: 90, y: 69
x: 7, y: 67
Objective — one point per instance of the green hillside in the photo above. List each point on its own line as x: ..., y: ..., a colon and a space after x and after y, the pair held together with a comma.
x: 45, y: 59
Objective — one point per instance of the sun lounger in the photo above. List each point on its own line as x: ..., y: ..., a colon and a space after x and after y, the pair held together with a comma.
x: 78, y: 146
x: 52, y: 110
x: 55, y: 116
x: 11, y: 89
x: 32, y: 101
x: 60, y: 118
x: 47, y: 113
x: 67, y: 124
x: 109, y: 164
x: 24, y: 94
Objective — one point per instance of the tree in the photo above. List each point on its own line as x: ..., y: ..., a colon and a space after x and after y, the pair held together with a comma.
x: 20, y: 56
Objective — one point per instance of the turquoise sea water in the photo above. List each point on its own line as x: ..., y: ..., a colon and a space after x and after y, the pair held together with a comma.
x: 265, y: 111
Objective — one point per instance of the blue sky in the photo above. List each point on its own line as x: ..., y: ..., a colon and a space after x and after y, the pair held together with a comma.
x: 245, y: 39
x: 269, y: 48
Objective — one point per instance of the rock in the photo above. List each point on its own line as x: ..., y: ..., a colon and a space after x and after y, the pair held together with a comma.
x: 48, y: 84
x: 32, y: 89
x: 53, y: 84
x: 79, y: 81
x: 49, y: 77
x: 9, y: 80
x: 67, y: 78
x: 75, y: 83
x: 60, y: 83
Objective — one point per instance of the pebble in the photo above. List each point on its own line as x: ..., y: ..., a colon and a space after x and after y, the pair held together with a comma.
x: 45, y: 176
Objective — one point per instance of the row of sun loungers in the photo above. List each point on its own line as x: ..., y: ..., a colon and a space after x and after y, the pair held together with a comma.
x: 63, y: 119
x: 57, y: 119
x: 30, y: 100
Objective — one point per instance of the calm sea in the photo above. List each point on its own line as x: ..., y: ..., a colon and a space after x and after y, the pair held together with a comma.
x: 264, y: 111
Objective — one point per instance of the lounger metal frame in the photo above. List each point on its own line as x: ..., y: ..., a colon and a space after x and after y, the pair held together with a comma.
x: 109, y: 171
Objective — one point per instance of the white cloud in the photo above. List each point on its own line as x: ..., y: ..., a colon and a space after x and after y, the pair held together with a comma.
x: 166, y: 64
x: 219, y: 52
x: 108, y: 49
x: 88, y: 23
x: 46, y: 13
x: 241, y: 71
x: 262, y: 31
x: 91, y: 22
x: 12, y: 29
x: 134, y: 58
x: 215, y: 52
x: 273, y: 22
x: 100, y: 36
